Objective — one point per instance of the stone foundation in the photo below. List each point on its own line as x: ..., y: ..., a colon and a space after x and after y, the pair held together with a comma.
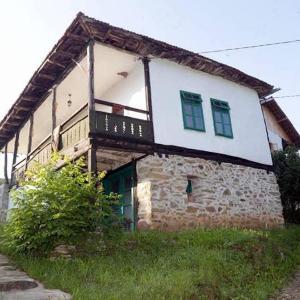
x: 222, y: 194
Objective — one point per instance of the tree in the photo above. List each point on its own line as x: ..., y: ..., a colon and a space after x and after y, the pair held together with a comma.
x: 287, y: 170
x: 56, y: 206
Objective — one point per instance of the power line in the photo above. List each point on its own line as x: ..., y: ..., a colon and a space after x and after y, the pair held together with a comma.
x: 287, y: 96
x: 252, y: 46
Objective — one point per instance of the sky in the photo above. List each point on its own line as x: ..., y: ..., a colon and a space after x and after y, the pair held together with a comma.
x: 29, y: 29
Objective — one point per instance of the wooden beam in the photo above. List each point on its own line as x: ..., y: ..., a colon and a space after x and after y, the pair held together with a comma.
x: 16, y: 145
x: 142, y: 111
x: 77, y: 37
x: 29, y: 140
x: 35, y: 85
x: 91, y: 98
x: 46, y: 76
x: 52, y: 62
x: 5, y: 165
x: 148, y: 91
x: 92, y: 158
x: 30, y: 98
x: 12, y: 123
x: 53, y: 113
x: 23, y: 108
x: 281, y: 120
x: 53, y: 108
x: 65, y: 53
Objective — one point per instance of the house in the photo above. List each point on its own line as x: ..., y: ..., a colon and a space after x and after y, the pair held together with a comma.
x: 281, y: 131
x: 182, y: 136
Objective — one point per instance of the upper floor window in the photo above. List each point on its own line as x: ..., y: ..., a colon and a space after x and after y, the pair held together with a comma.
x: 192, y: 111
x: 221, y: 117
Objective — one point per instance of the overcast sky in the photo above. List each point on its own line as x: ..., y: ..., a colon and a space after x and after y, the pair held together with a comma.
x: 29, y: 29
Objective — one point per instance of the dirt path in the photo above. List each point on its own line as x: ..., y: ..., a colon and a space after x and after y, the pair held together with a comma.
x: 15, y: 285
x: 291, y: 291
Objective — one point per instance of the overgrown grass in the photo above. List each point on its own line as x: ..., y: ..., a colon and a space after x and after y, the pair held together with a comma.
x: 196, y: 264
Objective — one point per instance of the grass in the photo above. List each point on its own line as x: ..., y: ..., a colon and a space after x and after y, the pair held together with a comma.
x: 195, y: 264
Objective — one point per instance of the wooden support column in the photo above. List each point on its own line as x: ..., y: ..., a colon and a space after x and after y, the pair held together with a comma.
x: 54, y: 133
x: 29, y: 140
x: 16, y: 146
x: 5, y: 165
x: 148, y: 91
x: 91, y: 100
x: 92, y: 159
x: 53, y: 109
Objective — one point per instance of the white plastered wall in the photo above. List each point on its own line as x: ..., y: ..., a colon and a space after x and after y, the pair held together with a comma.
x: 76, y: 84
x: 111, y: 87
x: 249, y: 133
x: 276, y: 133
x: 42, y: 122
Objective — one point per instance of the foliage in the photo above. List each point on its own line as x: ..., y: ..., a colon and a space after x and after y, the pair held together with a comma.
x: 54, y: 207
x: 195, y: 264
x: 287, y: 170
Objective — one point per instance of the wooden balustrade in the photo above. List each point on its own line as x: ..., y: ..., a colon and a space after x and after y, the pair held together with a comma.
x: 123, y: 126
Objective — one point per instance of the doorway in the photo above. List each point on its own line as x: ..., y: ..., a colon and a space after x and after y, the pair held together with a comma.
x: 122, y: 182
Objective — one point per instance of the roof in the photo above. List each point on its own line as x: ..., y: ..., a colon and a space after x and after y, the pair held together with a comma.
x: 72, y: 46
x: 282, y: 120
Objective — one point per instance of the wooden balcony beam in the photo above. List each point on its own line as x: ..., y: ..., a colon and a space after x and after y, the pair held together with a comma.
x: 53, y: 62
x: 77, y: 37
x: 47, y: 76
x: 30, y: 98
x: 107, y: 103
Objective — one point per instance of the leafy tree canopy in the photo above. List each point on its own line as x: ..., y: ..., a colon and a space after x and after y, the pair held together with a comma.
x: 287, y: 170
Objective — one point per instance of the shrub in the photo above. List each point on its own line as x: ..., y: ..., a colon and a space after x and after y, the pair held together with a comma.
x: 287, y: 170
x: 54, y: 207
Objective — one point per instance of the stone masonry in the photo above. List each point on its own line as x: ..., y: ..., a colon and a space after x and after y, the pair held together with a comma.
x: 223, y: 194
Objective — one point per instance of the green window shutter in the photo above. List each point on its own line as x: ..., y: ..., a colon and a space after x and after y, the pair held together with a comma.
x: 221, y: 117
x: 192, y: 111
x: 189, y: 188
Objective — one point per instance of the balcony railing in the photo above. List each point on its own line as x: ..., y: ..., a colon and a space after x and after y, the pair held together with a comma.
x: 122, y: 126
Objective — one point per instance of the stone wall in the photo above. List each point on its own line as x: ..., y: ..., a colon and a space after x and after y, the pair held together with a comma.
x: 4, y: 199
x: 222, y: 194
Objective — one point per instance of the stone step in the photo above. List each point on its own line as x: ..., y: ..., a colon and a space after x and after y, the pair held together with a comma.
x: 15, y: 284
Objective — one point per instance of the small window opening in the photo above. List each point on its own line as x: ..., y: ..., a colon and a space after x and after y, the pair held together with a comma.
x: 189, y: 187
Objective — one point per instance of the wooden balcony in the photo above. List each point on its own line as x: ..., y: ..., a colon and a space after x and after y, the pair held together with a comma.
x: 118, y: 126
x: 75, y: 131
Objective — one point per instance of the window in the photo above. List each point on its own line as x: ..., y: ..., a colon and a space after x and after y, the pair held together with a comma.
x: 221, y: 117
x: 192, y: 111
x: 189, y: 187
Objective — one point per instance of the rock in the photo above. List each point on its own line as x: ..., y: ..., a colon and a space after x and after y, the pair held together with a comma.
x: 62, y: 251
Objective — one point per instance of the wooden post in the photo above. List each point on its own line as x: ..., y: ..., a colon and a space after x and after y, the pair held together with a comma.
x: 14, y: 157
x: 54, y: 137
x: 91, y: 100
x: 53, y: 109
x: 29, y: 139
x: 148, y: 91
x: 92, y: 159
x: 5, y: 165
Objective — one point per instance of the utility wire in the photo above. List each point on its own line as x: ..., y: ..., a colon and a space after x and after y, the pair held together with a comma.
x: 286, y: 96
x: 252, y: 46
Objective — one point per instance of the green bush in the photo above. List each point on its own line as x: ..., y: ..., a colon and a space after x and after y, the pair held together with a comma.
x: 287, y: 170
x: 54, y: 207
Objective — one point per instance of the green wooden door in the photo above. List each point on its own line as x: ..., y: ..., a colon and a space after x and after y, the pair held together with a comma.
x: 122, y: 182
